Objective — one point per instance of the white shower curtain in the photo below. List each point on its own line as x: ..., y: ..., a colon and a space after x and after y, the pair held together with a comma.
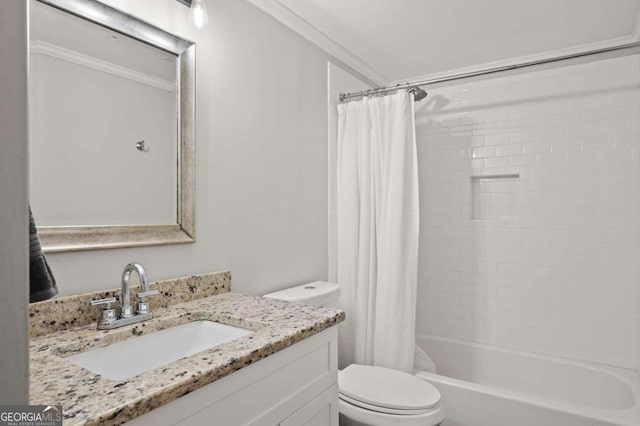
x: 378, y: 225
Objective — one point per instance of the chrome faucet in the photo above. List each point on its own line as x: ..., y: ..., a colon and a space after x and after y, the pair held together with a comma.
x: 127, y: 315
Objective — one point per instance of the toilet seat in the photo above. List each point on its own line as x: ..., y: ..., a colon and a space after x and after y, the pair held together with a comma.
x: 378, y: 395
x: 379, y: 409
x: 386, y: 390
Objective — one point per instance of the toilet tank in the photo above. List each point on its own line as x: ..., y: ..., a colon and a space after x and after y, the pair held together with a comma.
x: 317, y: 293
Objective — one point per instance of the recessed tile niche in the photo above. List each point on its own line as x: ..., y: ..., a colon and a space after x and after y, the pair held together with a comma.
x: 494, y: 197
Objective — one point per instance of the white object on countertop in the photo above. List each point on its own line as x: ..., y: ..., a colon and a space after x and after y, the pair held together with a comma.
x: 317, y: 293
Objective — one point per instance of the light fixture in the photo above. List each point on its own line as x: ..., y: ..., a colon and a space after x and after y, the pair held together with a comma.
x: 198, y: 14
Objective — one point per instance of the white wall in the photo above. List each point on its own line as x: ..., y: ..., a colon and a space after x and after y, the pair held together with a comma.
x: 261, y: 148
x: 14, y: 249
x: 550, y: 264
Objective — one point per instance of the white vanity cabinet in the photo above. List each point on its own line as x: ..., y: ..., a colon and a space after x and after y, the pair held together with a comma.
x: 320, y: 411
x: 294, y: 387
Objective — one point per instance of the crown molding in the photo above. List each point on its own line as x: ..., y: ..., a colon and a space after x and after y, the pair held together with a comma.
x: 293, y: 21
x: 290, y: 19
x: 631, y: 38
x: 77, y: 58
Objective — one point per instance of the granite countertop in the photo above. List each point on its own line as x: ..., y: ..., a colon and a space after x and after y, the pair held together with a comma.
x: 88, y: 398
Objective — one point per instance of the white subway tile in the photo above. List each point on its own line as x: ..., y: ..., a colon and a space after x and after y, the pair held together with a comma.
x: 487, y: 151
x: 492, y: 163
x: 511, y: 149
x: 562, y: 277
x: 496, y: 139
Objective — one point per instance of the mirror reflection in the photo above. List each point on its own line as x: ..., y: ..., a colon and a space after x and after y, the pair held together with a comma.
x: 103, y: 125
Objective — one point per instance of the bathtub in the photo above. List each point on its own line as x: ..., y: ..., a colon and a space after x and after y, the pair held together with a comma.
x: 487, y: 386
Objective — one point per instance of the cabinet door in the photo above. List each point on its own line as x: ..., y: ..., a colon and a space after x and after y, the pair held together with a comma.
x: 320, y: 411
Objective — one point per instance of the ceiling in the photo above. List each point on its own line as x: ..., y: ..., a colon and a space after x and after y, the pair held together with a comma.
x: 404, y: 39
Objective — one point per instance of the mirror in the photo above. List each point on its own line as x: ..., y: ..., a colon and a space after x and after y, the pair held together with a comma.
x: 111, y: 129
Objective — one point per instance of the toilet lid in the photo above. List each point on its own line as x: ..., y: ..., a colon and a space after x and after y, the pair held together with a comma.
x: 385, y: 388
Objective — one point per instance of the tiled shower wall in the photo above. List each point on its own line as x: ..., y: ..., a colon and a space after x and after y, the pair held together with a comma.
x: 529, y: 189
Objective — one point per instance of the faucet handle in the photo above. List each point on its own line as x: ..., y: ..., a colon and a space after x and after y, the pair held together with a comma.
x: 143, y: 305
x: 144, y: 294
x: 106, y: 301
x: 108, y: 313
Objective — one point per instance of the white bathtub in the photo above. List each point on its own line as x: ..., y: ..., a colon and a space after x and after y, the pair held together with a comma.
x: 487, y: 386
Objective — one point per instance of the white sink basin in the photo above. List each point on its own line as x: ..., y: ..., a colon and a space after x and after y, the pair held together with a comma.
x: 131, y: 357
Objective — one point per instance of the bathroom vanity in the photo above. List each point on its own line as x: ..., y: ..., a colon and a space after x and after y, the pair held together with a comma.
x: 294, y: 387
x: 283, y: 371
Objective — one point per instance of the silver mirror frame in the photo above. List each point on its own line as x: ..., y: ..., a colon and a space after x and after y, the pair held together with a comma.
x: 56, y: 239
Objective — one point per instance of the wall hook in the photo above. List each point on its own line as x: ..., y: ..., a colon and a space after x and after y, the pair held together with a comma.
x: 140, y: 145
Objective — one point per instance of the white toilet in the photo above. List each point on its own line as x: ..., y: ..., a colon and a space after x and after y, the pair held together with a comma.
x: 372, y: 396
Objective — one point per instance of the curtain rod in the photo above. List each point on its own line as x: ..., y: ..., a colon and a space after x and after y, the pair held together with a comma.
x: 346, y: 96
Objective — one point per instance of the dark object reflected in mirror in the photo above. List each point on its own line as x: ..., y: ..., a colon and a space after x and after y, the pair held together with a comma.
x: 42, y: 284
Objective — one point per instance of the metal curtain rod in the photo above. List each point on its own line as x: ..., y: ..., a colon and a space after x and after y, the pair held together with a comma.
x: 345, y: 96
